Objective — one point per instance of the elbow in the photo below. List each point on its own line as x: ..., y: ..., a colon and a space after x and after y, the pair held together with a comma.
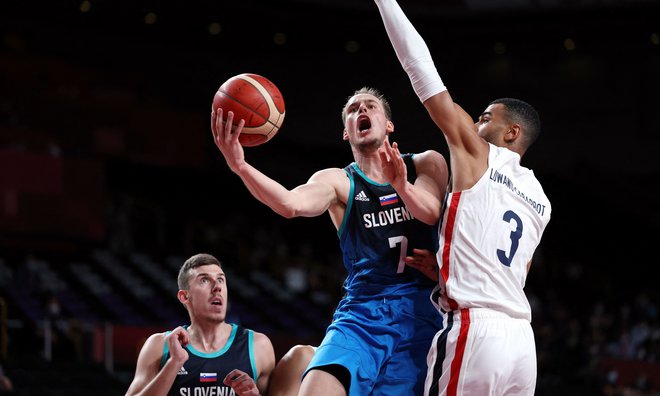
x: 288, y: 214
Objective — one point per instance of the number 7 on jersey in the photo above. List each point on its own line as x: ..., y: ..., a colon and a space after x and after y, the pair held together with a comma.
x: 404, y: 249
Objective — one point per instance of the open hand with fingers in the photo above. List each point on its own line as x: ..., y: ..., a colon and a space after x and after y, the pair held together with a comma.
x: 225, y: 137
x: 391, y: 162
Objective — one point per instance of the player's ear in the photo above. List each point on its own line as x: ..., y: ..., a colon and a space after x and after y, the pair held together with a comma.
x: 513, y: 133
x: 182, y: 295
x: 389, y: 127
x: 345, y: 135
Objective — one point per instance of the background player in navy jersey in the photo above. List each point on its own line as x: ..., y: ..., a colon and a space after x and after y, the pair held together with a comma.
x: 209, y: 353
x: 380, y: 333
x: 493, y: 221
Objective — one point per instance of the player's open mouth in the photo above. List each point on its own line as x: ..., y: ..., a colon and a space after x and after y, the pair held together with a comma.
x: 364, y: 124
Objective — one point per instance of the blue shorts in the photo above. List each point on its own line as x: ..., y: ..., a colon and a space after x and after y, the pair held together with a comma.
x: 382, y: 343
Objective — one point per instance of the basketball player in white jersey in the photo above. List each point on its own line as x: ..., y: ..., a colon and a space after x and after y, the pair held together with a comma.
x: 494, y: 217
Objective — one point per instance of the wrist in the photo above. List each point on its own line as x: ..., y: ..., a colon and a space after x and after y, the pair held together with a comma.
x: 403, y: 188
x: 238, y: 166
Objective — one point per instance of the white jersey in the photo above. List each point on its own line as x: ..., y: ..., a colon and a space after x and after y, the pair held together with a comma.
x: 488, y: 236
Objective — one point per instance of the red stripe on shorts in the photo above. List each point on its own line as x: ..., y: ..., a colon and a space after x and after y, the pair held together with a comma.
x: 449, y: 231
x: 455, y: 372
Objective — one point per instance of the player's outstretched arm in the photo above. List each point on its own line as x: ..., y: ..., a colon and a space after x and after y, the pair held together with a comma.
x: 468, y: 151
x: 310, y: 199
x: 423, y: 197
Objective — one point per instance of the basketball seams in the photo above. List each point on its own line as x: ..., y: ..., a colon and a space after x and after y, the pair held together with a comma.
x: 243, y: 105
x: 272, y: 109
x: 248, y: 93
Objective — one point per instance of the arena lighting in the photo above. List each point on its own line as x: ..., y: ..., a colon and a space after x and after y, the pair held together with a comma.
x: 215, y: 28
x: 85, y: 6
x: 279, y: 38
x: 150, y: 18
x: 569, y: 44
x: 352, y: 46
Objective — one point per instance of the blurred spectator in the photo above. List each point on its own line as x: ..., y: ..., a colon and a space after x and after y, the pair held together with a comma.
x: 6, y: 386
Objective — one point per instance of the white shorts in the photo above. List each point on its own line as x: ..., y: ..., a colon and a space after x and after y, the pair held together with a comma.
x: 482, y: 352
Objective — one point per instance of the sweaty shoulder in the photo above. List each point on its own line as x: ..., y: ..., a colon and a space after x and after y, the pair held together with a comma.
x: 261, y: 340
x: 333, y: 176
x: 265, y: 354
x: 154, y: 346
x: 431, y: 163
x: 329, y: 173
x: 156, y: 339
x: 429, y: 158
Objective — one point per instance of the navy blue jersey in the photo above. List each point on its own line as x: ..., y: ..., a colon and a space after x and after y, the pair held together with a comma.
x: 376, y: 233
x: 207, y: 370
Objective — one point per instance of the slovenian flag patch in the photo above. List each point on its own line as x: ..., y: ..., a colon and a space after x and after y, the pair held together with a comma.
x: 208, y: 377
x: 389, y: 199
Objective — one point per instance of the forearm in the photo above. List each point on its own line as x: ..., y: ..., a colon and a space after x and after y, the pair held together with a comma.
x: 159, y: 385
x: 307, y: 200
x: 421, y: 203
x: 411, y: 50
x: 267, y: 191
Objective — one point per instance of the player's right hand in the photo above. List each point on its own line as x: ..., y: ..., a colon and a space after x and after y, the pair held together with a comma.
x: 424, y: 261
x: 391, y: 162
x: 227, y: 140
x: 241, y: 383
x: 176, y: 341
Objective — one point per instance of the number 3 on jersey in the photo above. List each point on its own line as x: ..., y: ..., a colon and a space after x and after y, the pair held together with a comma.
x: 402, y: 253
x: 515, y: 236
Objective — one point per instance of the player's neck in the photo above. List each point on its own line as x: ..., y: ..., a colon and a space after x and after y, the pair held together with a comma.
x: 370, y: 166
x: 209, y: 337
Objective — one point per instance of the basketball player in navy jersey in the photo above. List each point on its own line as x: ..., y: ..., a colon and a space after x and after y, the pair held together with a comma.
x: 285, y: 380
x: 494, y: 217
x: 210, y: 356
x: 382, y: 328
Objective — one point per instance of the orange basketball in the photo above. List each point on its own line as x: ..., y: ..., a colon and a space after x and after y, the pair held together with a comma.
x: 255, y: 99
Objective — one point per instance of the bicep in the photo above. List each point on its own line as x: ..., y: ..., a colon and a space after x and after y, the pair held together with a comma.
x: 432, y: 173
x: 265, y: 360
x: 315, y: 197
x: 148, y: 364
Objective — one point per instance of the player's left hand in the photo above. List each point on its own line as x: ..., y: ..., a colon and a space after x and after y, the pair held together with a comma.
x: 424, y: 261
x: 391, y: 162
x: 241, y: 383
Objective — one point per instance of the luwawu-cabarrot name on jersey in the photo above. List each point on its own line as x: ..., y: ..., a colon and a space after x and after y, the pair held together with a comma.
x: 207, y: 391
x: 503, y: 179
x: 387, y: 217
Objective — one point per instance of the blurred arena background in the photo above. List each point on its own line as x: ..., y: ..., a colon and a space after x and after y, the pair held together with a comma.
x: 109, y: 178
